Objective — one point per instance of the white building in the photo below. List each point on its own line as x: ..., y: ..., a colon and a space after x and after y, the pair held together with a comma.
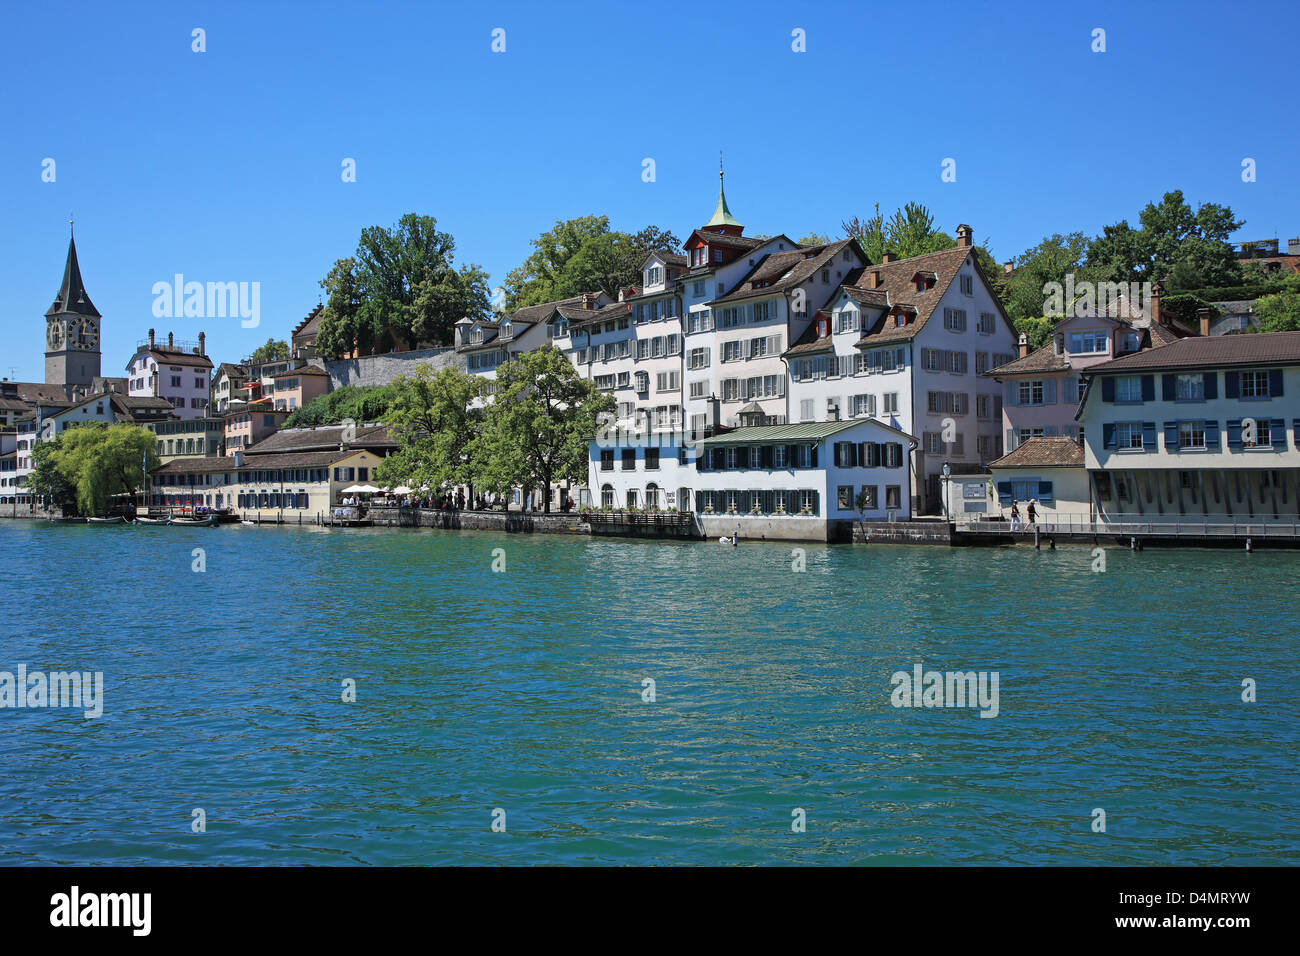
x: 178, y: 372
x: 908, y: 342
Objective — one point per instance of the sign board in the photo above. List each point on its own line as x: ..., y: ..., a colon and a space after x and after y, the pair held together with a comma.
x: 974, y: 489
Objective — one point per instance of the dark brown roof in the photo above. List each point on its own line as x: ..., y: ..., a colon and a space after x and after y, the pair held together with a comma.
x: 872, y: 298
x: 299, y: 459
x: 779, y: 271
x: 164, y: 356
x: 810, y: 343
x: 1043, y: 452
x: 310, y: 323
x: 719, y: 239
x: 532, y: 314
x: 896, y: 279
x: 232, y: 370
x: 71, y: 296
x: 324, y: 437
x: 1265, y: 348
x: 580, y: 317
x: 1040, y: 360
x: 301, y: 370
x: 38, y: 392
x: 196, y: 465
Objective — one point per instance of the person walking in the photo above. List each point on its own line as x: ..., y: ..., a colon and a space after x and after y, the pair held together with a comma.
x: 1033, y: 513
x: 1015, y: 516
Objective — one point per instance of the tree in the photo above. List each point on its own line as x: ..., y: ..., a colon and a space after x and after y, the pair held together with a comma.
x: 358, y: 403
x: 401, y: 287
x: 582, y: 255
x: 1175, y: 245
x: 1280, y: 311
x: 432, y: 421
x: 1057, y: 256
x: 537, y: 428
x: 908, y: 232
x: 1037, y: 329
x: 272, y: 351
x: 86, y: 466
x: 815, y: 239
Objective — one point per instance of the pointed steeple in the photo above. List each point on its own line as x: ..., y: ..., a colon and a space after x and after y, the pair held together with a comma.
x: 72, y: 293
x: 722, y: 217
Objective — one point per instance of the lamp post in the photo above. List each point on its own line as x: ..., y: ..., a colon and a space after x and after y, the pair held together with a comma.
x: 947, y: 492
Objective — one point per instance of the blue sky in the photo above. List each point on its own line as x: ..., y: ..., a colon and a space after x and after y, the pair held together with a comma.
x: 225, y: 165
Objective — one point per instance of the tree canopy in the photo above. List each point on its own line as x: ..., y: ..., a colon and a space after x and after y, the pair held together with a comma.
x: 432, y: 420
x: 583, y: 255
x: 273, y: 351
x: 400, y: 287
x: 359, y: 403
x: 910, y: 231
x: 536, y: 430
x: 84, y: 467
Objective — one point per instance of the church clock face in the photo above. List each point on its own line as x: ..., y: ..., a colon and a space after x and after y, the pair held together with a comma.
x: 54, y: 336
x: 83, y: 335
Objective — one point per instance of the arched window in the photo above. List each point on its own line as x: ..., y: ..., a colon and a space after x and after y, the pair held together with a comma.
x: 607, y: 496
x: 652, y: 495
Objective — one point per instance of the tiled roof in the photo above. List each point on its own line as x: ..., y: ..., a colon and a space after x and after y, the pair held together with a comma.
x: 802, y: 431
x: 196, y: 465
x: 232, y: 370
x: 176, y: 357
x: 896, y: 280
x: 310, y: 323
x: 301, y: 370
x: 533, y: 314
x: 315, y: 439
x: 872, y: 298
x: 779, y: 271
x: 1043, y: 452
x: 1266, y: 348
x: 718, y: 239
x: 1040, y: 360
x: 298, y: 459
x: 39, y: 392
x: 580, y: 316
x: 810, y: 343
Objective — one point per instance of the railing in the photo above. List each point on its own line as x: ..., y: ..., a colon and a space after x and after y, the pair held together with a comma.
x: 653, y: 519
x: 1084, y: 525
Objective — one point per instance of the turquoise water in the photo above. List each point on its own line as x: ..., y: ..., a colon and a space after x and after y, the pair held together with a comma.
x: 522, y: 690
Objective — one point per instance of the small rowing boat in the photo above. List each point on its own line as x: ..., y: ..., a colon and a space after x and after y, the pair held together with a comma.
x: 209, y: 522
x: 151, y: 522
x: 116, y: 519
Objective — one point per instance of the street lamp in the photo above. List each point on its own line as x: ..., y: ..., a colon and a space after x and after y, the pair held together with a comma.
x: 947, y: 493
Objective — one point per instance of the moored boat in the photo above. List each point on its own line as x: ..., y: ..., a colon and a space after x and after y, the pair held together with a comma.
x: 116, y: 519
x: 150, y: 522
x: 209, y: 522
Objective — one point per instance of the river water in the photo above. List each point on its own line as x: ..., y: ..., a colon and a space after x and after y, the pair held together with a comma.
x: 518, y: 696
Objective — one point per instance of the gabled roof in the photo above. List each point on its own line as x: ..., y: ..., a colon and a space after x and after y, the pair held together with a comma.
x: 801, y: 431
x: 166, y: 356
x: 579, y: 317
x: 301, y: 370
x: 1042, y: 452
x: 71, y: 296
x: 322, y: 438
x: 1039, y: 360
x: 721, y: 239
x: 781, y: 271
x: 232, y: 370
x: 310, y: 323
x: 895, y: 279
x: 1214, y: 351
x: 38, y: 393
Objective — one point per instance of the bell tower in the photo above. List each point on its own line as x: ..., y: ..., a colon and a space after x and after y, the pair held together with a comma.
x: 71, y: 330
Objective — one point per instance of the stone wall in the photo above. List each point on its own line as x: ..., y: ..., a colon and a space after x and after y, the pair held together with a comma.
x: 764, y: 527
x: 897, y: 532
x: 382, y: 369
x: 509, y: 521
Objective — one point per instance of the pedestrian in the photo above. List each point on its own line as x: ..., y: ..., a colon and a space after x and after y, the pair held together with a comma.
x: 1033, y: 512
x: 1015, y: 516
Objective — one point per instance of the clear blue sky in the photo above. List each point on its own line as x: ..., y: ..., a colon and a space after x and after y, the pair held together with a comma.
x: 225, y: 165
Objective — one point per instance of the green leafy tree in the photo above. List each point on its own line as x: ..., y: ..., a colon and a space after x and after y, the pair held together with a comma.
x: 49, y: 482
x: 1279, y: 312
x: 400, y: 288
x: 1183, y: 248
x: 273, y: 351
x: 536, y: 430
x: 815, y: 239
x: 582, y: 255
x: 96, y: 462
x: 1038, y: 329
x: 433, y: 422
x: 358, y: 403
x: 1057, y: 256
x: 910, y: 231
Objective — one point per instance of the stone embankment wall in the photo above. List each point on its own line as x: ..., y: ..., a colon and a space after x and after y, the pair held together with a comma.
x: 510, y: 521
x: 382, y: 369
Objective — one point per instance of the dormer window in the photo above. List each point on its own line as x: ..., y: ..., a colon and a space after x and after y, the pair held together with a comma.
x: 654, y: 275
x: 507, y: 330
x: 476, y: 337
x: 821, y: 328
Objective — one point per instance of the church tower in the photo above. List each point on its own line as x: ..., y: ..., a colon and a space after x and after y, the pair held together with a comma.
x: 71, y: 330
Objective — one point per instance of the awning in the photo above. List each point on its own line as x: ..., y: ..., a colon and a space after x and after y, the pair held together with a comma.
x: 361, y: 490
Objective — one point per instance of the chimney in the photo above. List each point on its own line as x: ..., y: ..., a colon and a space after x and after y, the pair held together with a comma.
x: 1024, y: 345
x: 588, y: 300
x: 151, y: 338
x: 888, y: 257
x: 1155, y: 304
x: 1204, y: 316
x: 1008, y: 267
x: 202, y: 344
x: 964, y: 236
x: 170, y: 343
x: 873, y: 279
x: 1293, y: 247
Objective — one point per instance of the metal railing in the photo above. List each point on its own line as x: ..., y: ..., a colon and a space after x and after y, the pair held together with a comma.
x: 1180, y: 528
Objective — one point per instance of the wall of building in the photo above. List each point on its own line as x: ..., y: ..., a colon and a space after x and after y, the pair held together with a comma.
x: 382, y: 369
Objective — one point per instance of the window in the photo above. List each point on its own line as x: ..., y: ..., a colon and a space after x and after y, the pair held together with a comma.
x: 844, y: 497
x: 954, y: 320
x: 869, y: 492
x: 779, y: 456
x: 629, y: 459
x: 654, y: 275
x: 983, y: 406
x: 981, y: 362
x: 987, y: 322
x: 893, y: 497
x: 1128, y: 435
x: 863, y: 405
x: 1087, y: 343
x: 668, y: 381
x: 1189, y: 388
x: 967, y: 285
x: 1024, y: 434
x: 807, y: 411
x: 1191, y: 434
x: 731, y: 351
x: 697, y: 358
x: 890, y: 403
x: 1031, y: 392
x: 652, y: 459
x: 1128, y: 388
x: 1254, y: 385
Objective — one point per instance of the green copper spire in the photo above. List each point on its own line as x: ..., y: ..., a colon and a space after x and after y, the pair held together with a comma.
x: 722, y: 215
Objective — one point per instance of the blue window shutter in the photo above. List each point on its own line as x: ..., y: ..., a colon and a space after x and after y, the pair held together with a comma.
x: 1278, y: 433
x: 1211, y: 434
x: 1168, y: 388
x: 1171, y: 436
x: 1231, y: 384
x: 1013, y: 394
x: 1108, y: 436
x: 1004, y: 492
x: 1234, y: 433
x: 1044, y: 491
x: 1010, y: 443
x: 1149, y: 433
x: 1108, y: 388
x: 1049, y: 392
x: 1211, y: 384
x: 1148, y: 388
x: 1275, y: 383
x: 812, y: 462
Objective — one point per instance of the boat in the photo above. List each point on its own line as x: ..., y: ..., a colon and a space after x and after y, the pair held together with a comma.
x: 209, y: 522
x: 151, y: 521
x: 116, y: 519
x: 73, y: 520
